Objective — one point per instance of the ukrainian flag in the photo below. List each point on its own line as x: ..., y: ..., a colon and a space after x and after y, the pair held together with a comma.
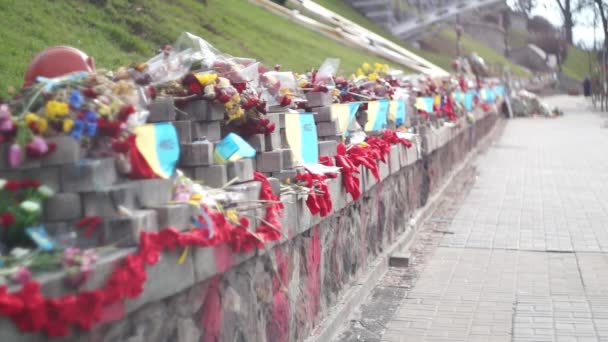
x: 425, y: 104
x: 233, y: 148
x: 159, y: 145
x: 302, y: 138
x: 377, y: 115
x: 396, y: 112
x: 459, y: 96
x: 468, y: 100
x: 344, y: 113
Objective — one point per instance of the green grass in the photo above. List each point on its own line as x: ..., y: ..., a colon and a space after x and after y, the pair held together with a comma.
x: 577, y: 63
x: 444, y: 44
x: 444, y: 49
x: 120, y: 32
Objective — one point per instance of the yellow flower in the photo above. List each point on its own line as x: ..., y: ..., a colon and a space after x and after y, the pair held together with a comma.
x: 104, y: 110
x: 196, y: 197
x: 42, y: 125
x: 365, y: 67
x: 232, y: 216
x: 67, y: 125
x: 377, y: 67
x: 229, y: 105
x: 360, y: 73
x: 373, y: 76
x: 385, y: 68
x: 236, y: 114
x: 236, y: 98
x: 206, y: 79
x: 30, y: 118
x: 56, y: 109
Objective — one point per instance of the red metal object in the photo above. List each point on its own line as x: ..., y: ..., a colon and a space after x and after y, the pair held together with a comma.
x: 58, y: 61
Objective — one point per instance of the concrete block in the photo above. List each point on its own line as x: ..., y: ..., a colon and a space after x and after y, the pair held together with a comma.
x: 400, y: 260
x: 184, y: 131
x: 175, y: 215
x: 289, y: 220
x: 240, y: 169
x: 323, y: 114
x: 270, y: 161
x: 88, y: 175
x: 161, y: 110
x: 210, y: 261
x: 284, y: 175
x: 327, y: 129
x: 153, y: 192
x: 196, y: 154
x: 107, y: 202
x: 258, y: 142
x: 339, y: 196
x: 276, y: 185
x: 335, y: 138
x: 273, y: 141
x: 209, y: 130
x: 63, y: 207
x: 214, y: 176
x: 318, y: 99
x: 394, y: 162
x: 125, y: 230
x: 328, y: 148
x: 166, y: 278
x: 402, y: 155
x: 68, y: 150
x: 250, y: 190
x: 278, y: 119
x: 384, y: 169
x: 202, y: 110
x: 284, y: 141
x: 412, y: 155
x: 287, y: 158
x: 48, y: 176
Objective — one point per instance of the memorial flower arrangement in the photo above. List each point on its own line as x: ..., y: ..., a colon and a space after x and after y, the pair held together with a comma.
x: 20, y: 209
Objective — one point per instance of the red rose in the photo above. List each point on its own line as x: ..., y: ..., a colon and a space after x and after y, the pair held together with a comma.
x: 7, y: 219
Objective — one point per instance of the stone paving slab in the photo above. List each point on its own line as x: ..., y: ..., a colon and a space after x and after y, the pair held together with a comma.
x: 525, y: 256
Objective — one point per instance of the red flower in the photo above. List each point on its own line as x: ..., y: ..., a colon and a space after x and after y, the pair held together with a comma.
x: 9, y: 303
x: 90, y: 93
x: 223, y: 97
x: 240, y: 87
x: 7, y: 219
x: 285, y: 101
x: 125, y: 112
x: 12, y: 185
x: 108, y: 128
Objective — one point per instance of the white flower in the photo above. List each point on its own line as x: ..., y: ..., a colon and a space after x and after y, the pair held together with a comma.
x: 30, y: 206
x: 2, y: 183
x: 45, y: 191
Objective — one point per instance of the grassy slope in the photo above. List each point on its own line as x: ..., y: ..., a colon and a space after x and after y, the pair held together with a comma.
x: 441, y: 56
x: 577, y: 63
x: 445, y: 43
x: 125, y: 31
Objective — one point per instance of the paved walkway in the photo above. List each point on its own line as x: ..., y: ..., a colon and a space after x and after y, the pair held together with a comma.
x: 525, y: 257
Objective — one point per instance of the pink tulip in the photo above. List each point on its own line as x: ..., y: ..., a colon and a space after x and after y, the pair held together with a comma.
x: 39, y: 145
x: 6, y: 125
x: 5, y: 112
x: 15, y: 155
x: 22, y: 276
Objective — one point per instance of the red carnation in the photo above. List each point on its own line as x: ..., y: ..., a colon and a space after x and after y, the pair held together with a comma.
x: 240, y: 87
x: 7, y: 219
x: 285, y: 101
x: 90, y: 93
x: 125, y: 112
x: 223, y: 98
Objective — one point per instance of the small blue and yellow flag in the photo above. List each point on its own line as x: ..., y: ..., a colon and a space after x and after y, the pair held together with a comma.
x: 159, y: 145
x: 377, y: 115
x: 425, y: 104
x: 233, y: 148
x: 468, y: 100
x: 397, y: 112
x: 459, y: 96
x: 302, y: 138
x: 345, y: 113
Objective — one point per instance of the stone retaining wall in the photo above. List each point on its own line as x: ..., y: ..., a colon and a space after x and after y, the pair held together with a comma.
x: 283, y: 292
